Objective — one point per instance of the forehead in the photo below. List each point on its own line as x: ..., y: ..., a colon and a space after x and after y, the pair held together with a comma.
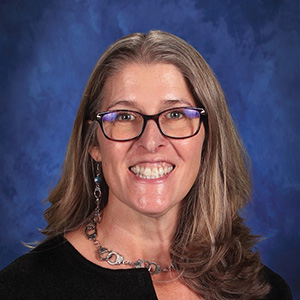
x: 144, y: 83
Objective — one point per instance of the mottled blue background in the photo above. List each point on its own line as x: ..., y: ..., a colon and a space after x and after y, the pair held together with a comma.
x: 48, y: 50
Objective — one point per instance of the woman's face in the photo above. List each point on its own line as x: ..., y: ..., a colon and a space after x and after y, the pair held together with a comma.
x: 149, y: 89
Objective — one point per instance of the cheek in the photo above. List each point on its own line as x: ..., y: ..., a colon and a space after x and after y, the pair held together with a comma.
x: 191, y: 154
x: 106, y: 147
x: 192, y: 149
x: 113, y: 154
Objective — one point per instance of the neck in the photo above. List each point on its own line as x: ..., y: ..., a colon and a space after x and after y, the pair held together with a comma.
x: 137, y: 236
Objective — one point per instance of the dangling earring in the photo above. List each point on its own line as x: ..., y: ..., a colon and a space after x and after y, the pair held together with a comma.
x: 91, y: 228
x: 97, y: 193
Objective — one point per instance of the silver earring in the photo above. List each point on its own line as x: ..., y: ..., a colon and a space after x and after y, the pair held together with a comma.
x: 91, y: 228
x: 97, y: 191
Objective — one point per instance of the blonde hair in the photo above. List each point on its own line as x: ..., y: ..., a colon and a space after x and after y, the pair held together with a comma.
x: 212, y: 244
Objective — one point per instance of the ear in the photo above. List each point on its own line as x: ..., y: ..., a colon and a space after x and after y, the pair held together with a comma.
x: 95, y: 153
x: 94, y: 150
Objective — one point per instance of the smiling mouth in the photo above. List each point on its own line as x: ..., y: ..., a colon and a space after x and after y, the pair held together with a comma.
x: 154, y: 172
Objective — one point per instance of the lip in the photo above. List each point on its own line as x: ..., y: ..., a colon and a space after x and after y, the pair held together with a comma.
x: 153, y: 162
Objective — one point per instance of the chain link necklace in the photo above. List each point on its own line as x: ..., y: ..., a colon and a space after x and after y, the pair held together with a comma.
x: 114, y: 258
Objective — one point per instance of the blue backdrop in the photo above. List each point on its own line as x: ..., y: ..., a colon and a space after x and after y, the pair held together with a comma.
x: 48, y: 50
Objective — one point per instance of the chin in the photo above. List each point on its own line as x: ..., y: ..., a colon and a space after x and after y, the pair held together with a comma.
x: 155, y: 210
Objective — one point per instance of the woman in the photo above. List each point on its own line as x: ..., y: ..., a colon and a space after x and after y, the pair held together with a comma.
x: 154, y: 178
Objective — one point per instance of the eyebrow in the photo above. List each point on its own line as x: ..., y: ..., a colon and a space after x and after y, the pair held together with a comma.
x: 127, y: 103
x: 168, y: 102
x: 165, y: 103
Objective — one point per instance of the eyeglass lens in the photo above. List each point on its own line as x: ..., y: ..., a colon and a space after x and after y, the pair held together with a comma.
x: 175, y: 123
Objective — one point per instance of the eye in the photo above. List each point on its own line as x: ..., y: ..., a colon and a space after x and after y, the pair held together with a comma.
x: 175, y: 114
x: 125, y: 117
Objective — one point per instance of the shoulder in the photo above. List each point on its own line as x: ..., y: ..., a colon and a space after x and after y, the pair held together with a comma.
x: 56, y: 270
x: 42, y: 254
x: 279, y: 288
x: 31, y: 268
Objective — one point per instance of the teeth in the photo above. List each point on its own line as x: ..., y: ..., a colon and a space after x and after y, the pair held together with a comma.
x: 154, y: 172
x: 151, y: 173
x: 137, y: 169
x: 147, y: 172
x: 161, y: 171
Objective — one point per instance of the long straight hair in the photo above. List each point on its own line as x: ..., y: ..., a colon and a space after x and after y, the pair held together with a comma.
x: 212, y: 245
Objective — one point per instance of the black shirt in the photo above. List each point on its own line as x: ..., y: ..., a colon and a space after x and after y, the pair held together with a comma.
x: 56, y: 270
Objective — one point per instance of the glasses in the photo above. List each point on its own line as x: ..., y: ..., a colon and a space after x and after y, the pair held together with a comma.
x: 175, y: 123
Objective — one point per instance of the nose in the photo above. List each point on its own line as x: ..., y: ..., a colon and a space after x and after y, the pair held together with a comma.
x: 151, y: 139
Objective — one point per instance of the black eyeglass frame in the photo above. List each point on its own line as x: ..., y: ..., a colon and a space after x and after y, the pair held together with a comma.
x: 146, y: 118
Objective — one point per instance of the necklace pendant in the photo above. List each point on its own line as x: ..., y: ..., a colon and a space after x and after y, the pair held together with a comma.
x: 91, y: 231
x: 114, y: 258
x: 102, y: 251
x: 154, y: 268
x: 139, y: 263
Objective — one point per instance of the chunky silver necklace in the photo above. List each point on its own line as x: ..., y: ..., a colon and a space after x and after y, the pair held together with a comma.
x: 114, y: 258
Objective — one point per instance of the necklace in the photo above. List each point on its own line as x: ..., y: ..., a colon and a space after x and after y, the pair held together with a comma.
x: 114, y: 258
